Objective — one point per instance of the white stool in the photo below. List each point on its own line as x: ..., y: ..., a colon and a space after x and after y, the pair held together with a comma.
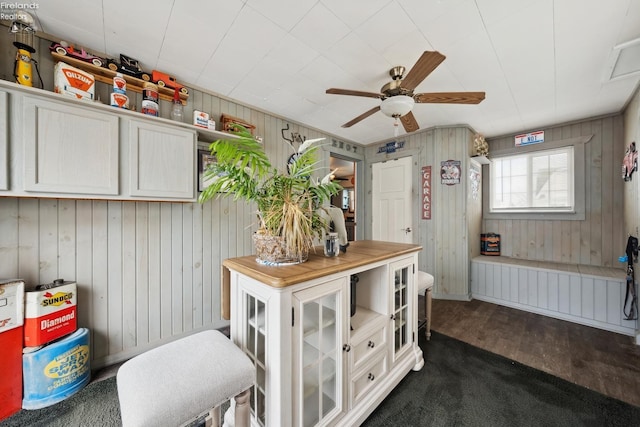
x: 425, y: 283
x: 178, y: 382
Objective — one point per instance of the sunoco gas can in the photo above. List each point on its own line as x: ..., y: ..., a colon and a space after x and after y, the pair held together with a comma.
x: 49, y: 312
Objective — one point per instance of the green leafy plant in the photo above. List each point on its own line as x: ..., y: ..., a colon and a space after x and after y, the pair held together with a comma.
x: 289, y: 203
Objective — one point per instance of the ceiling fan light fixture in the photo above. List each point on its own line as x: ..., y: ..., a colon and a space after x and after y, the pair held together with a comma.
x: 397, y: 106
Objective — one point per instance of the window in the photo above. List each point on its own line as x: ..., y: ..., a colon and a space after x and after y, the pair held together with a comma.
x: 538, y: 182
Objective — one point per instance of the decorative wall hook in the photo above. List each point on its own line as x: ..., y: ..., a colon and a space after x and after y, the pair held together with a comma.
x: 295, y: 136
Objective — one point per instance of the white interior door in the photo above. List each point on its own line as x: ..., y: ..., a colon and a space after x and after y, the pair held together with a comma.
x: 391, y: 195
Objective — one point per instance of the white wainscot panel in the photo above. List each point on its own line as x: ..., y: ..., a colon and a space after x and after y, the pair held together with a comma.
x: 567, y: 295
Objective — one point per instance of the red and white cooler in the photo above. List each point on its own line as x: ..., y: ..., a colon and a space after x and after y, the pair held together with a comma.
x: 50, y: 312
x: 11, y: 333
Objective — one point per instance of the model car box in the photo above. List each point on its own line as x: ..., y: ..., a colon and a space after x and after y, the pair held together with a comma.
x: 202, y: 120
x: 72, y: 81
x: 56, y: 371
x: 49, y: 312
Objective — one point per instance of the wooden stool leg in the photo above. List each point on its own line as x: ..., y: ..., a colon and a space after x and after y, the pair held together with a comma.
x: 243, y: 409
x: 427, y: 312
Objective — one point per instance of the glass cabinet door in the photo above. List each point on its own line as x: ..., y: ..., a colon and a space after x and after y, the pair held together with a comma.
x: 255, y: 348
x: 400, y: 315
x: 320, y: 360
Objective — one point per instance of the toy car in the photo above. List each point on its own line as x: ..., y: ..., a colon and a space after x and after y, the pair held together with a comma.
x: 128, y: 66
x: 162, y: 80
x: 65, y: 49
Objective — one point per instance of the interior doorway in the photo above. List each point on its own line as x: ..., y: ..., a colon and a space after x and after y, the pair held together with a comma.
x: 391, y: 201
x: 346, y: 173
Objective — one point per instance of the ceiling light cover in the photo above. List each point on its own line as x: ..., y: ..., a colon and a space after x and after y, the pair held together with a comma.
x: 397, y: 106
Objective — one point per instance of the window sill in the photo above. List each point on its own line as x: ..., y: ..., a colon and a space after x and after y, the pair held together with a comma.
x: 540, y: 216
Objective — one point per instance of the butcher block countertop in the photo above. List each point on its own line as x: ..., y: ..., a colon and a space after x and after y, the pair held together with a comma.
x: 359, y: 253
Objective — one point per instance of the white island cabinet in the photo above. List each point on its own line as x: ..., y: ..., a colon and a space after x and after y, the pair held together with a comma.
x: 330, y: 338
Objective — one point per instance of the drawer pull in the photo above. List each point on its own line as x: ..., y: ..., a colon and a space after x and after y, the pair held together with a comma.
x: 371, y: 376
x: 371, y: 344
x: 346, y: 348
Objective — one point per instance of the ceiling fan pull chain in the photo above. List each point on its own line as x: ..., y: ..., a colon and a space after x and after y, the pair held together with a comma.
x: 396, y: 125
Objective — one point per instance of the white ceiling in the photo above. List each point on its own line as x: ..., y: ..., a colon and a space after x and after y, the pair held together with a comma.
x: 540, y: 62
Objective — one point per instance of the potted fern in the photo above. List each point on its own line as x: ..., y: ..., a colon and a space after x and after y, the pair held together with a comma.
x: 290, y: 213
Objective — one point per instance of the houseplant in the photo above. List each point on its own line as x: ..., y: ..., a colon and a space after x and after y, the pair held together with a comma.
x: 289, y: 203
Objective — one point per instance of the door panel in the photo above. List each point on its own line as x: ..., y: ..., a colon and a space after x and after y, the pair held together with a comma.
x: 391, y: 196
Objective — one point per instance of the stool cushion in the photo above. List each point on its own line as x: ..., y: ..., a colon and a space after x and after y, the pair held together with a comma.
x: 425, y: 281
x: 173, y: 383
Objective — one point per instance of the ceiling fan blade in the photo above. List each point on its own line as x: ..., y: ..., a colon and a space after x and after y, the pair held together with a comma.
x: 409, y: 122
x: 449, y: 97
x: 354, y: 93
x: 361, y: 117
x: 428, y: 62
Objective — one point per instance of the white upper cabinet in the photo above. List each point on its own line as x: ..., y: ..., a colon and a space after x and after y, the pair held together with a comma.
x: 69, y: 149
x: 60, y: 147
x: 161, y: 160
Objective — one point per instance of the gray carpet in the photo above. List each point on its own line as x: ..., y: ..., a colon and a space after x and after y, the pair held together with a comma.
x: 460, y: 385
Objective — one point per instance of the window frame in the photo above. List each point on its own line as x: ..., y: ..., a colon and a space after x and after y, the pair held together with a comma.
x: 579, y: 176
x: 569, y: 154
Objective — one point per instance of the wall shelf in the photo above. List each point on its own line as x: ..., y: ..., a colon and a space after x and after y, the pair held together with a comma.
x: 483, y: 160
x: 105, y: 75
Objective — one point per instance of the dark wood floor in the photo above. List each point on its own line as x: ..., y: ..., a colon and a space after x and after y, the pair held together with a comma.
x: 602, y: 361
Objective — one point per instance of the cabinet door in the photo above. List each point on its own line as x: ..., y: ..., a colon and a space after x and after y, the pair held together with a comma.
x: 162, y: 161
x: 255, y: 347
x: 402, y: 310
x: 319, y: 362
x: 4, y: 142
x: 69, y: 149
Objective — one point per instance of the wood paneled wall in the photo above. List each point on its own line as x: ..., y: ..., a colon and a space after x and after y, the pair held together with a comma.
x: 450, y: 237
x: 597, y: 240
x: 632, y: 188
x: 147, y: 272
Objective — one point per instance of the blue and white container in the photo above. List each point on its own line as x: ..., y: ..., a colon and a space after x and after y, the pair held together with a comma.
x: 56, y: 371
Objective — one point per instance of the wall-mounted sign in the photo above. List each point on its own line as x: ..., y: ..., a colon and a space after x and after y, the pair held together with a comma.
x: 343, y: 145
x: 450, y: 172
x: 529, y: 138
x: 426, y: 192
x: 391, y: 147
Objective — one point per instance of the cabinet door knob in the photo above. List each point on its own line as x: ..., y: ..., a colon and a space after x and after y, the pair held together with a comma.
x: 371, y: 344
x: 371, y: 376
x: 393, y: 317
x: 346, y: 348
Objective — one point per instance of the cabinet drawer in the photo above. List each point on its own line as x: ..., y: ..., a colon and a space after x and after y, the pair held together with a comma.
x: 367, y: 348
x: 368, y: 378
